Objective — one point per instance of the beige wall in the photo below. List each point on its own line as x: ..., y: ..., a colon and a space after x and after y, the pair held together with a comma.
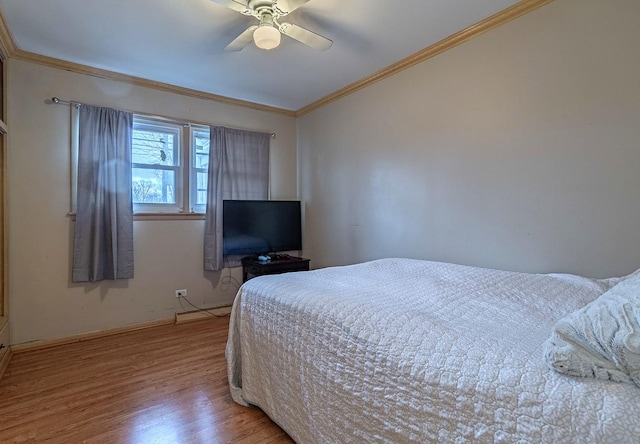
x: 519, y: 150
x: 168, y: 254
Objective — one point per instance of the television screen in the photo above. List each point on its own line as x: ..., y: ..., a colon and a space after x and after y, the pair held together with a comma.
x: 261, y: 226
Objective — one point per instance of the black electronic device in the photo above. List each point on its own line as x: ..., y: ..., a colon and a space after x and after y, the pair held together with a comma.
x: 261, y: 227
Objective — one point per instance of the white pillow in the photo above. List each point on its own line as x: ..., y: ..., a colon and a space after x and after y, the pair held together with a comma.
x: 602, y: 339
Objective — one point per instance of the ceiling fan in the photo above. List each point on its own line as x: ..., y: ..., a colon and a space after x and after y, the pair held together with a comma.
x: 266, y: 35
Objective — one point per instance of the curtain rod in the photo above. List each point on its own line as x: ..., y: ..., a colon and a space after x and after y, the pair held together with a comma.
x: 57, y: 101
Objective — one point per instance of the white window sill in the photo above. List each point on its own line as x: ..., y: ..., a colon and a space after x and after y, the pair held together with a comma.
x: 159, y: 216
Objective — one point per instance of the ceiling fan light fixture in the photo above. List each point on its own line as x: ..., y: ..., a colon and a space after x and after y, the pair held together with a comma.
x: 266, y: 37
x: 268, y: 33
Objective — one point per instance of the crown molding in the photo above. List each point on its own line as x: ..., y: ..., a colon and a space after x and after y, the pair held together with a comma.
x: 496, y: 20
x: 138, y: 81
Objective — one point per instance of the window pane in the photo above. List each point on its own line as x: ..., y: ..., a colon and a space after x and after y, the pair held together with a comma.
x: 201, y: 188
x: 153, y: 186
x: 155, y: 147
x: 201, y: 149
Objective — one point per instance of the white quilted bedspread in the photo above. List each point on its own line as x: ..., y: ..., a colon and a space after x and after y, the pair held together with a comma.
x: 401, y: 350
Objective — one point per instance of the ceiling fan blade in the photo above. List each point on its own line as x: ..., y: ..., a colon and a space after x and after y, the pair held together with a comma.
x: 236, y: 5
x: 242, y: 40
x: 287, y: 6
x: 309, y: 38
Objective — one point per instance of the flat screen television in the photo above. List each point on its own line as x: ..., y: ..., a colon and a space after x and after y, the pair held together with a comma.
x: 254, y: 227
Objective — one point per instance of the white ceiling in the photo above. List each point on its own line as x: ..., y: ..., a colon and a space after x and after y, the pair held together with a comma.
x: 182, y: 43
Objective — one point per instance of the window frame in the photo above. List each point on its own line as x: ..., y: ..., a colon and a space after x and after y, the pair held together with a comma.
x: 185, y: 171
x: 193, y: 170
x: 143, y: 123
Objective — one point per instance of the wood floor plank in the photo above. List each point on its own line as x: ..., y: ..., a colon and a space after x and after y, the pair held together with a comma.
x: 163, y: 384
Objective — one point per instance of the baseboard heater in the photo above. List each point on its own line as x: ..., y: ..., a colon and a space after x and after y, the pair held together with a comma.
x: 204, y: 313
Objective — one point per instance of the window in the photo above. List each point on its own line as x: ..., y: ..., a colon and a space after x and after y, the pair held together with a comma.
x: 169, y: 166
x: 199, y: 169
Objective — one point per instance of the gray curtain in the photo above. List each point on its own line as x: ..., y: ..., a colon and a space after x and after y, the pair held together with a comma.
x: 103, y: 237
x: 238, y: 169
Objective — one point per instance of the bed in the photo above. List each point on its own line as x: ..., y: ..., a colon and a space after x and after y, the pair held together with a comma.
x: 402, y: 350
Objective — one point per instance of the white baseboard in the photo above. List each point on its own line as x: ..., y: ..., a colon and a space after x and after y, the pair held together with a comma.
x: 199, y: 314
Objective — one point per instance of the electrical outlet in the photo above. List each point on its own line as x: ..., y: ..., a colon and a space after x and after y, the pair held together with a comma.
x: 181, y: 293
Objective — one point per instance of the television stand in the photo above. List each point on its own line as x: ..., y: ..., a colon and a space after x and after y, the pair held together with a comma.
x: 279, y: 263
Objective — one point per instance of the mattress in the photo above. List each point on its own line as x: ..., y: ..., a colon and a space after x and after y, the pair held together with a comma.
x: 401, y: 350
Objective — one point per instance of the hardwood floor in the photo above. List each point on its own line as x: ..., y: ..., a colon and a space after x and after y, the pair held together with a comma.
x: 165, y: 384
